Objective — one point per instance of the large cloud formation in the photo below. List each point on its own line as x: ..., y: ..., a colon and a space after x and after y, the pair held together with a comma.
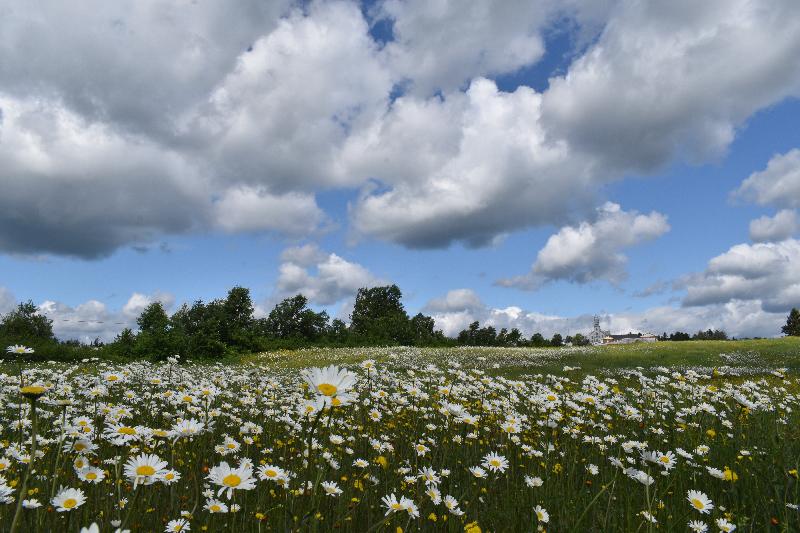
x: 124, y: 121
x: 663, y: 80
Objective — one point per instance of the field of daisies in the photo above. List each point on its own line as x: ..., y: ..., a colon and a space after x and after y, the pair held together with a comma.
x: 396, y: 440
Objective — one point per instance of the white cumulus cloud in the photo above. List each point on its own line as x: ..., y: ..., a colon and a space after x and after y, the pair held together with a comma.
x: 766, y: 274
x: 483, y: 165
x: 778, y: 184
x: 677, y: 78
x: 251, y: 209
x: 781, y: 226
x: 324, y: 279
x: 592, y: 250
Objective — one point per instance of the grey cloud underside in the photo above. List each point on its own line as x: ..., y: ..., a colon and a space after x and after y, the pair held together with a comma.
x: 135, y: 64
x: 90, y: 221
x: 178, y: 117
x: 764, y: 274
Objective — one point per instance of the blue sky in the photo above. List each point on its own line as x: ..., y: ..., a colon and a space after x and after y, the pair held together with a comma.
x: 526, y: 166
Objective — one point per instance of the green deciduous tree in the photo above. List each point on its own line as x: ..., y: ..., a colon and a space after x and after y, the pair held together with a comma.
x: 292, y: 319
x: 197, y: 330
x: 537, y: 339
x: 580, y: 340
x: 792, y: 326
x: 154, y: 339
x: 25, y: 325
x: 379, y: 316
x: 124, y: 343
x: 238, y: 321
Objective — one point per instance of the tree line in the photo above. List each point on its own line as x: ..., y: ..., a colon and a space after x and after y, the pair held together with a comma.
x: 227, y: 326
x: 708, y: 335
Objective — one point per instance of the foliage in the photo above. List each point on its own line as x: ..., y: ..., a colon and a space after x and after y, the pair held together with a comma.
x: 792, y: 327
x: 224, y: 328
x: 292, y: 319
x: 154, y: 338
x: 709, y: 335
x: 379, y: 316
x: 26, y: 325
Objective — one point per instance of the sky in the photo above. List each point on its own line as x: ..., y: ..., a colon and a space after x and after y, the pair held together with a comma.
x: 525, y: 164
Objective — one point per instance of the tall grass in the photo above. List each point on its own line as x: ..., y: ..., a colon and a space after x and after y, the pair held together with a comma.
x: 458, y: 405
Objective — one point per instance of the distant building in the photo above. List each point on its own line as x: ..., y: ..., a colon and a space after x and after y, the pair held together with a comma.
x: 629, y: 338
x: 598, y: 336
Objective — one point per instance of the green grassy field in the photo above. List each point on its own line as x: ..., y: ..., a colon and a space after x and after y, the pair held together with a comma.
x: 762, y: 353
x: 636, y: 438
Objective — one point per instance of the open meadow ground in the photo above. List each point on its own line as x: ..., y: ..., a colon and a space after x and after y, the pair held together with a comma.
x: 664, y: 437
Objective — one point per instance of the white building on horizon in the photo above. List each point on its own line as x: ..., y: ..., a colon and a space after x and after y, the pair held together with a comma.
x: 599, y: 337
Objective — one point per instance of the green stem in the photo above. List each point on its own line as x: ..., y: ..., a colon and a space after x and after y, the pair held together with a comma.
x: 586, y: 510
x: 130, y: 509
x: 24, y: 489
x: 58, y: 453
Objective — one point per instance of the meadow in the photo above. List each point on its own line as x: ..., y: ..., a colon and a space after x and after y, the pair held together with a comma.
x: 688, y: 436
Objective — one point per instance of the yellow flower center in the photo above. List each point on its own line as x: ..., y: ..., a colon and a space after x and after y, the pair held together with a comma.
x: 551, y: 397
x: 112, y: 378
x: 125, y: 430
x: 91, y: 475
x: 698, y: 504
x: 664, y: 459
x: 169, y: 477
x: 231, y: 480
x: 69, y: 503
x: 494, y: 462
x: 270, y: 473
x: 396, y: 506
x: 231, y: 445
x: 215, y: 508
x: 145, y: 470
x: 327, y: 389
x: 32, y: 390
x: 336, y: 402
